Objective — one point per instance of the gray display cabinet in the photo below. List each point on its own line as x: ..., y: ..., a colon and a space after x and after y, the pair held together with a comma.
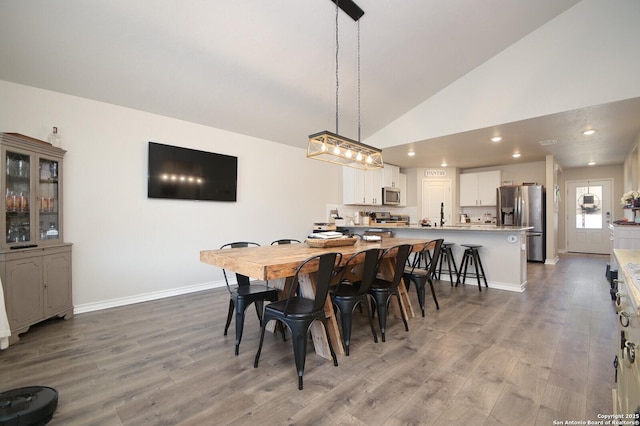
x: 35, y: 262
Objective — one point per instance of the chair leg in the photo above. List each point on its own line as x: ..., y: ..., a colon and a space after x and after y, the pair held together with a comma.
x: 484, y: 278
x: 240, y: 309
x: 433, y: 293
x: 346, y: 316
x: 229, y: 315
x: 370, y: 317
x: 259, y: 309
x: 404, y: 320
x: 450, y: 259
x: 420, y: 291
x: 299, y: 340
x: 333, y: 353
x: 381, y: 300
x: 465, y: 263
x: 262, y: 330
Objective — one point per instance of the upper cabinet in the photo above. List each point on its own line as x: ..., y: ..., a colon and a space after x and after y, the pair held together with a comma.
x: 479, y: 189
x: 403, y: 189
x: 32, y: 186
x: 391, y: 176
x: 362, y: 187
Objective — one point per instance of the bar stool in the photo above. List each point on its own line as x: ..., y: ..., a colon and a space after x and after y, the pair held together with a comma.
x: 471, y: 255
x: 446, y: 255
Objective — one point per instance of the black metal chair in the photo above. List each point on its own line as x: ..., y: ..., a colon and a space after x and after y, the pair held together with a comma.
x: 353, y: 290
x: 285, y: 241
x: 298, y: 313
x: 422, y: 270
x: 382, y: 290
x: 244, y: 294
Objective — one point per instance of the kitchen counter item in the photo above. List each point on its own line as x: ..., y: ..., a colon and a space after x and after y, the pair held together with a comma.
x: 323, y: 226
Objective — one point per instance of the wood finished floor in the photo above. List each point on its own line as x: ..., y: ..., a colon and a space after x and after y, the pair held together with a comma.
x: 489, y: 358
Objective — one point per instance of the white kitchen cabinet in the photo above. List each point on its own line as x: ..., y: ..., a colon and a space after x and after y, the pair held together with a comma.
x: 391, y: 176
x: 479, y: 189
x: 403, y: 189
x: 361, y: 187
x: 623, y: 237
x: 626, y: 395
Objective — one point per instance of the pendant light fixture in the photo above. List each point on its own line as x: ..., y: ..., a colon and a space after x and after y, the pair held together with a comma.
x: 332, y: 147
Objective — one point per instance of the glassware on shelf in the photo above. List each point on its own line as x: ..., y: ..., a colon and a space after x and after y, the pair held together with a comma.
x: 54, y: 138
x: 10, y: 200
x: 52, y: 232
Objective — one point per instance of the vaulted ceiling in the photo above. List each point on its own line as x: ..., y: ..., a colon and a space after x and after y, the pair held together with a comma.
x: 267, y: 68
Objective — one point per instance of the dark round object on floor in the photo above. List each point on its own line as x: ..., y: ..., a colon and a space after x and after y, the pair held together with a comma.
x: 33, y: 405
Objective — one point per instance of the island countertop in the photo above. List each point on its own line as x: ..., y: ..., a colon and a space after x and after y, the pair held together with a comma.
x: 503, y: 251
x: 467, y: 227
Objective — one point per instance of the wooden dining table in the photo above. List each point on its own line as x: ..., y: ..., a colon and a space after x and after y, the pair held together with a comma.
x: 278, y: 263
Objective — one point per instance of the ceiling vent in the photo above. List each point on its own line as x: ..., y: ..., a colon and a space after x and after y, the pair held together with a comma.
x: 548, y: 142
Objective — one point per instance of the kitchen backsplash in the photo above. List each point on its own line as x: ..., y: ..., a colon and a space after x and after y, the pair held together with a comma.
x: 349, y: 212
x: 475, y: 214
x: 478, y: 214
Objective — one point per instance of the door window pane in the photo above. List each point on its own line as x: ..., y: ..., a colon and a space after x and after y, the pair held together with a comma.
x: 588, y: 210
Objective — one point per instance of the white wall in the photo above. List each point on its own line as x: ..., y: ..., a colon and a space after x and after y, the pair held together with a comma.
x: 585, y: 56
x: 127, y: 247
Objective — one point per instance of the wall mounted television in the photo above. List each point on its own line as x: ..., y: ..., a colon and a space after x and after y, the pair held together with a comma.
x: 189, y: 174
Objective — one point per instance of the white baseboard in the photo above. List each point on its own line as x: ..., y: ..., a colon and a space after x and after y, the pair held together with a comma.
x: 552, y: 261
x: 130, y: 300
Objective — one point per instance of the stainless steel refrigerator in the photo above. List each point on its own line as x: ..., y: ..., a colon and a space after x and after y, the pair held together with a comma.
x: 525, y: 206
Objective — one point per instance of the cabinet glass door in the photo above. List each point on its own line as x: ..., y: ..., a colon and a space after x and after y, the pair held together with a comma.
x: 17, y: 208
x: 48, y: 202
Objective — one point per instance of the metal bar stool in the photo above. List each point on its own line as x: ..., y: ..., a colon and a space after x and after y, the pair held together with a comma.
x: 446, y: 255
x: 472, y: 256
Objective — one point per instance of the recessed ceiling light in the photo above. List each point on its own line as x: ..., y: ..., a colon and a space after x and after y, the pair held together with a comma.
x: 443, y: 164
x: 516, y: 155
x: 588, y: 132
x: 591, y: 163
x: 496, y: 139
x: 411, y: 153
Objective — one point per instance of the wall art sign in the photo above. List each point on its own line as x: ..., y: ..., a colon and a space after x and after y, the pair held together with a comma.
x: 435, y: 173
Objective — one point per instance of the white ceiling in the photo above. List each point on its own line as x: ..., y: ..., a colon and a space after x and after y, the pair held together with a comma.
x: 267, y: 68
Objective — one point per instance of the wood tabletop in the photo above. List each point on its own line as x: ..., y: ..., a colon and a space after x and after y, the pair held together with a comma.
x: 281, y: 261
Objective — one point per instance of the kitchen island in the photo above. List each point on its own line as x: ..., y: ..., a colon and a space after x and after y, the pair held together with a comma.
x: 503, y: 251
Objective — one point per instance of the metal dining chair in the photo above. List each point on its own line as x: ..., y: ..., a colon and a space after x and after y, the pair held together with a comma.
x: 285, y: 241
x: 382, y: 290
x: 422, y: 270
x: 298, y: 313
x: 244, y: 294
x: 353, y: 290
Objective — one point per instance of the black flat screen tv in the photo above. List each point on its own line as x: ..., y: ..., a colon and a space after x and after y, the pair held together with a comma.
x: 189, y: 174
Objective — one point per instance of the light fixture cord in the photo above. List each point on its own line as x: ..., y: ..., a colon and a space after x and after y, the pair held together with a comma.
x: 337, y: 83
x: 358, y: 80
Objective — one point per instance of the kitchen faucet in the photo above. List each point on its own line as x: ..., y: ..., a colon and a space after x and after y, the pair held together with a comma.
x: 442, y: 221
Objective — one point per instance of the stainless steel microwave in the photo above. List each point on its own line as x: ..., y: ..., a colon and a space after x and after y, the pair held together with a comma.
x: 391, y: 196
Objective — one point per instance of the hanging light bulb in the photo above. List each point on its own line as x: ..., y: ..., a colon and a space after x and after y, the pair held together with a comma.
x: 336, y: 150
x: 359, y: 156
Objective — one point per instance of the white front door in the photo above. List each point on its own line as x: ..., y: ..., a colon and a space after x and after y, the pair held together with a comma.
x: 436, y: 196
x: 588, y: 216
